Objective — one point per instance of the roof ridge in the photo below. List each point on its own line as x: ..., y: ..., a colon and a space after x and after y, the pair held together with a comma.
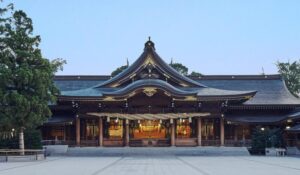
x: 237, y: 77
x: 204, y: 77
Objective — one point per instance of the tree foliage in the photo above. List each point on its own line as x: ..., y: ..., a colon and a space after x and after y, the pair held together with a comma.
x: 26, y: 78
x: 180, y: 68
x: 32, y: 138
x: 177, y: 66
x: 196, y: 74
x: 119, y: 70
x: 266, y: 138
x: 291, y: 74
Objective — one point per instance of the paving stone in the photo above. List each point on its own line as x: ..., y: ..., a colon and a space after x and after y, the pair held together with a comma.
x: 158, y: 165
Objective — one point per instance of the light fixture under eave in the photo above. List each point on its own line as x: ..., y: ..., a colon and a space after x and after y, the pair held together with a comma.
x: 199, y: 105
x: 287, y: 127
x: 262, y: 128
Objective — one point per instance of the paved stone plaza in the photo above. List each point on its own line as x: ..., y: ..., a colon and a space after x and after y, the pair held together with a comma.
x: 166, y: 165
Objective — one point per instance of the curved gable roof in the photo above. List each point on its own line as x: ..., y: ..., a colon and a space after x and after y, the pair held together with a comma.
x: 199, y: 93
x: 149, y: 56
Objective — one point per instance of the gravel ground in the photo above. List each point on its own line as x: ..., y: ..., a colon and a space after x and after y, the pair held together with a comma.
x: 148, y: 165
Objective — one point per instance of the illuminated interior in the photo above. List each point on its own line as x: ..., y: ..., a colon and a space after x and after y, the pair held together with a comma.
x: 57, y: 132
x: 149, y: 129
x: 183, y: 128
x: 115, y: 128
x: 207, y: 129
x: 91, y: 129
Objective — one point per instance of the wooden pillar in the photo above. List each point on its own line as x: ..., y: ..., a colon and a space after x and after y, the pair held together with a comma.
x: 100, y: 127
x: 126, y: 132
x: 199, y: 125
x: 65, y: 132
x: 296, y: 140
x: 77, y: 131
x: 222, y: 136
x: 173, y: 132
x: 244, y: 137
x: 235, y: 133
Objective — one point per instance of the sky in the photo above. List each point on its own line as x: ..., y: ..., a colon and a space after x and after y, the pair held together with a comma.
x: 210, y: 37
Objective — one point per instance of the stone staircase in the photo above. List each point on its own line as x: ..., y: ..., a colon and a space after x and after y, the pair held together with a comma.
x: 158, y: 151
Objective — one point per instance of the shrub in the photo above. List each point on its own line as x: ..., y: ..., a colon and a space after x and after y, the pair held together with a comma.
x: 32, y: 139
x: 262, y: 139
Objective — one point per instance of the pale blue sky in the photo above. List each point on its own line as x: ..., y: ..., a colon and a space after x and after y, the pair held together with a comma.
x: 211, y: 37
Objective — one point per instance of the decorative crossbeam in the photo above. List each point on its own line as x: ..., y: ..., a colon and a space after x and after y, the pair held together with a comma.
x: 147, y: 116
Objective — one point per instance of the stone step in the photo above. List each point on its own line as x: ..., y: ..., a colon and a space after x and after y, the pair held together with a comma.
x: 158, y: 151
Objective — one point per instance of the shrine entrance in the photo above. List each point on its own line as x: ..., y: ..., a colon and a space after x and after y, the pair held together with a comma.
x: 153, y: 129
x: 150, y: 133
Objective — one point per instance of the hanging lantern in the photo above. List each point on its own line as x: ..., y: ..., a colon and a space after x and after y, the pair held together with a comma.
x: 160, y: 121
x: 127, y: 121
x: 108, y: 119
x: 139, y: 121
x: 171, y: 121
x: 190, y: 119
x: 117, y: 120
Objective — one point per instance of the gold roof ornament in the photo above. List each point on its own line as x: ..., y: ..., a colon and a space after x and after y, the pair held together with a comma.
x: 150, y: 91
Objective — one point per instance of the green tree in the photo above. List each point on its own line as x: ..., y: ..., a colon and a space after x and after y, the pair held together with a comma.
x: 266, y: 138
x: 119, y: 70
x: 26, y: 78
x: 196, y: 74
x: 180, y: 68
x: 291, y: 74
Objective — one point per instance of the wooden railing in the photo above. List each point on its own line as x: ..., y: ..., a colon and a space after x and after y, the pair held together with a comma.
x: 89, y: 143
x: 237, y: 143
x: 58, y: 142
x: 160, y: 142
x: 113, y: 142
x: 293, y: 142
x: 186, y: 142
x: 149, y: 142
x: 211, y: 142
